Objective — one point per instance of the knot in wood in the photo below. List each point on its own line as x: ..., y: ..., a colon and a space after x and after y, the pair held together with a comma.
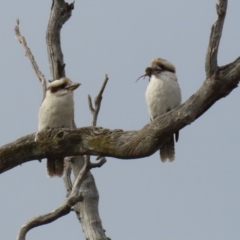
x: 221, y: 8
x: 59, y: 135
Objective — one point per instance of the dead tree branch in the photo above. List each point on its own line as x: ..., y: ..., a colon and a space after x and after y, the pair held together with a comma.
x: 29, y: 54
x: 97, y: 102
x: 89, y: 217
x: 88, y: 188
x: 211, y: 64
x: 118, y: 143
x: 60, y: 13
x: 66, y: 207
x: 94, y: 112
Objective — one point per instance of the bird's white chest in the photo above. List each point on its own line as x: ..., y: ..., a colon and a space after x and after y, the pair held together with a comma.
x: 56, y: 112
x: 162, y: 94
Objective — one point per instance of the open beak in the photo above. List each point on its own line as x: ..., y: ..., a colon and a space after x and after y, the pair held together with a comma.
x: 72, y: 86
x: 143, y: 76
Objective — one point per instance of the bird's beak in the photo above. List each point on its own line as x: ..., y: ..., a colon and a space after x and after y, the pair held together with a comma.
x: 143, y: 76
x: 72, y: 86
x: 149, y: 71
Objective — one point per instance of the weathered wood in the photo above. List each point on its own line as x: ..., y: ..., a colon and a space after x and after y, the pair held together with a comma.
x: 118, y: 143
x: 211, y: 64
x: 66, y: 207
x: 87, y: 210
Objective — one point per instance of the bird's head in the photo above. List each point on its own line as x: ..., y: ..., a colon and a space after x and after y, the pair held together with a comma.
x: 157, y: 66
x: 164, y: 64
x: 62, y: 86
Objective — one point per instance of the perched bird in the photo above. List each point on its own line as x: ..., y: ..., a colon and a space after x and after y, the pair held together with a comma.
x: 162, y: 95
x: 57, y: 111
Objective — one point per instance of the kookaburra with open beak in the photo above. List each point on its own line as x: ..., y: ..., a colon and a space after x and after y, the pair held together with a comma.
x: 57, y: 111
x: 162, y: 95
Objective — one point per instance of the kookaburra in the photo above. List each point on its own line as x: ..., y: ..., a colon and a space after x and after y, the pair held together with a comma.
x: 162, y: 95
x: 57, y: 111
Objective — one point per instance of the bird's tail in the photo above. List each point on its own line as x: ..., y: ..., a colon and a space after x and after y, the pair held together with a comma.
x: 55, y: 167
x: 167, y: 150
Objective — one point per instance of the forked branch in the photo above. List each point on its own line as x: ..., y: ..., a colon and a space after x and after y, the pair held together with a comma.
x: 94, y: 112
x: 87, y: 211
x: 66, y: 207
x: 118, y: 143
x: 98, y: 99
x: 60, y: 13
x: 211, y: 64
x: 29, y: 54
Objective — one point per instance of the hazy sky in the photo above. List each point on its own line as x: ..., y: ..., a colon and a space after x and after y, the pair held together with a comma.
x: 195, y: 197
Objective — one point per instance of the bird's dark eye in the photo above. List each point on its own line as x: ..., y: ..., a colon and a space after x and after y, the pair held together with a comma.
x: 163, y: 67
x: 62, y: 86
x: 53, y: 89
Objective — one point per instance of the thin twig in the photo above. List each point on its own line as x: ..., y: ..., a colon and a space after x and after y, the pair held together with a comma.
x: 90, y: 104
x: 97, y: 102
x: 99, y: 96
x: 211, y: 65
x: 29, y: 54
x: 66, y: 207
x: 95, y: 111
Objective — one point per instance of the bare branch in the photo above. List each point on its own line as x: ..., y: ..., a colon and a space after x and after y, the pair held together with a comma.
x: 230, y: 70
x: 95, y: 111
x: 90, y: 104
x: 29, y: 54
x: 65, y: 208
x: 89, y: 217
x: 99, y: 163
x: 98, y: 98
x: 60, y: 13
x: 117, y: 143
x: 89, y: 191
x: 211, y: 64
x: 97, y: 102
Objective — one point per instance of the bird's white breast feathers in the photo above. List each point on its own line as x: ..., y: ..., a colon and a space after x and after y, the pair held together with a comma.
x: 56, y: 112
x: 162, y: 94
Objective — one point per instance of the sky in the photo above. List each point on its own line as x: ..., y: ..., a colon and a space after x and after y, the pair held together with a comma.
x: 194, y: 198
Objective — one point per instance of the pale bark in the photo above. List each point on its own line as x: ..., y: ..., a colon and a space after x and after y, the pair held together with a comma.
x: 118, y: 143
x: 74, y: 197
x: 220, y: 81
x: 86, y: 210
x: 84, y: 185
x: 30, y: 56
x: 211, y: 64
